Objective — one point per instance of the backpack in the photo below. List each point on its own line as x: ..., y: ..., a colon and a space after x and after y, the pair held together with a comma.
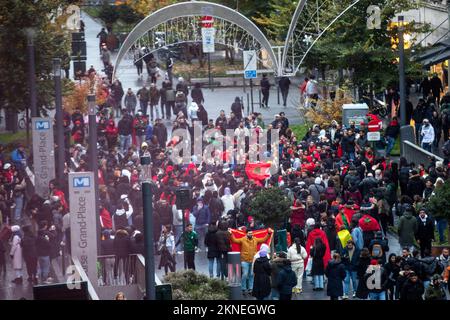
x: 377, y: 251
x: 430, y: 269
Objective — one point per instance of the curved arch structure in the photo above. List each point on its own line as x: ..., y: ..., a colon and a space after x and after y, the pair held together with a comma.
x: 194, y: 8
x: 301, y: 42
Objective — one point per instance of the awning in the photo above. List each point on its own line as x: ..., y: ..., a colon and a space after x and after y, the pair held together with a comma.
x: 435, y: 54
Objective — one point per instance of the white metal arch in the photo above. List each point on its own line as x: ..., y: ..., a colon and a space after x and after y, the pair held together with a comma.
x: 292, y: 38
x: 194, y: 8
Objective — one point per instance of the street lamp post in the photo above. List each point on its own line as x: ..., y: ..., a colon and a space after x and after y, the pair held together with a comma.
x: 94, y: 157
x: 401, y: 70
x: 59, y: 120
x: 31, y: 32
x: 147, y: 195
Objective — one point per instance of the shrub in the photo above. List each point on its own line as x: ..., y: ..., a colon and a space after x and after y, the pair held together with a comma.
x: 190, y: 285
x: 270, y: 206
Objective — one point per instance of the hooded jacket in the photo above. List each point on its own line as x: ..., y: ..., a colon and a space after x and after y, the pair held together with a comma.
x: 286, y: 279
x: 335, y: 273
x: 318, y: 233
x: 407, y: 228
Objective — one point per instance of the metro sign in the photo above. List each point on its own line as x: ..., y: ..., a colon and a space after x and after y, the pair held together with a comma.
x: 42, y: 125
x: 207, y: 22
x: 81, y: 182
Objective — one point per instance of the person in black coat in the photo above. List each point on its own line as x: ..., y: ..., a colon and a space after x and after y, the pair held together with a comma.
x: 286, y: 280
x: 413, y: 289
x: 284, y: 84
x: 362, y: 292
x: 211, y: 242
x: 416, y: 185
x: 223, y: 246
x: 29, y: 253
x: 425, y: 232
x: 237, y: 108
x: 317, y: 267
x: 335, y: 273
x: 197, y: 94
x: 122, y: 250
x: 392, y: 269
x: 261, y: 281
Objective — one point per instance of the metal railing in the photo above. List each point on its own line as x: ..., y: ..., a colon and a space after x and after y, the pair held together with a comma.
x: 414, y: 153
x: 117, y: 271
x: 91, y: 290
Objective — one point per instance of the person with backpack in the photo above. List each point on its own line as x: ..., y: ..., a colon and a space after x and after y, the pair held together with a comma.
x: 286, y: 280
x: 170, y: 94
x: 429, y: 266
x: 167, y: 249
x: 413, y: 288
x: 378, y: 247
x: 376, y: 275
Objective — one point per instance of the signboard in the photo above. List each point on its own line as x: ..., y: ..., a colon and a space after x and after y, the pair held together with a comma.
x: 373, y: 136
x: 354, y: 112
x: 207, y: 21
x: 208, y: 39
x: 43, y: 154
x: 83, y: 223
x: 250, y: 64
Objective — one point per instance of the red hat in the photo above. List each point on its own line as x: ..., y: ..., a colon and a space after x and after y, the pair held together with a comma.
x: 250, y: 219
x: 373, y: 262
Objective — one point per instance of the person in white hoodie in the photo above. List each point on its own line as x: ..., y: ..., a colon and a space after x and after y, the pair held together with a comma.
x: 297, y: 255
x: 427, y: 135
x: 228, y: 201
x: 192, y: 112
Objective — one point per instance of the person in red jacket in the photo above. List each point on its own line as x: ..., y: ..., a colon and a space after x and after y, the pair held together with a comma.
x: 105, y: 218
x: 318, y: 233
x: 111, y: 134
x: 56, y: 192
x: 298, y: 214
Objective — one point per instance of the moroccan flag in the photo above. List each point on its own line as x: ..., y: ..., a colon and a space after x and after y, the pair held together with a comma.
x: 256, y: 233
x: 257, y: 171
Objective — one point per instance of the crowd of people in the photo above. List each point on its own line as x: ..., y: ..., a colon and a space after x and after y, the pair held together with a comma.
x: 344, y: 199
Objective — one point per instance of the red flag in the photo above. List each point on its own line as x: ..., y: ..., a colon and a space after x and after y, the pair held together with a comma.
x: 258, y: 171
x: 256, y: 233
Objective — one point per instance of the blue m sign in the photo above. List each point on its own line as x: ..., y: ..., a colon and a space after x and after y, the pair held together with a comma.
x: 42, y: 125
x: 81, y: 182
